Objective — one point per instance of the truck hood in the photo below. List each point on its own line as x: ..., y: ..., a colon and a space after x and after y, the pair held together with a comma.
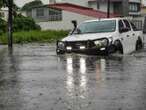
x: 85, y: 37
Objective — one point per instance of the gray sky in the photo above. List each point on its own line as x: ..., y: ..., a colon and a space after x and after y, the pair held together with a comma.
x: 22, y: 2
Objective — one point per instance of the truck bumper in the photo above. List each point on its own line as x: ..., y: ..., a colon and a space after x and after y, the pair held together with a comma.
x: 89, y: 51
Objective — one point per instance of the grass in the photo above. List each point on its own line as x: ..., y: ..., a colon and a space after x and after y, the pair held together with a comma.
x: 35, y: 36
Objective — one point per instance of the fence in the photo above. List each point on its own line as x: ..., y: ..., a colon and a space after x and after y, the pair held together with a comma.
x: 138, y: 24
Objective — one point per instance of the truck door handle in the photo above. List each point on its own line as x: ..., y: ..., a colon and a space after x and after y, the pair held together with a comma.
x: 128, y: 36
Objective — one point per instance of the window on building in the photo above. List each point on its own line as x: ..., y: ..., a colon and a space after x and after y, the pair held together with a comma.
x: 55, y: 15
x: 117, y: 8
x: 40, y: 12
x: 134, y: 7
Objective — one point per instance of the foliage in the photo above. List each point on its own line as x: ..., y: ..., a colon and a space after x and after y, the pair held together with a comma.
x: 2, y: 26
x: 28, y: 6
x: 21, y: 23
x: 1, y: 3
x: 35, y: 36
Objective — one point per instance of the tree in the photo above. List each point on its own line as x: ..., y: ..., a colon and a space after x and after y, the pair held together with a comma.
x: 2, y: 26
x: 28, y: 6
x: 1, y: 3
x: 21, y: 23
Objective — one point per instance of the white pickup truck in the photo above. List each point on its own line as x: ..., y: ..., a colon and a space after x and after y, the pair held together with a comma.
x: 102, y: 36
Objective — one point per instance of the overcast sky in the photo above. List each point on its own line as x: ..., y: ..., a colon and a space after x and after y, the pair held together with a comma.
x: 20, y: 3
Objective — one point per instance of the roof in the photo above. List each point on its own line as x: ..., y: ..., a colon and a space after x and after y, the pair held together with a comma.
x: 105, y: 0
x: 80, y: 10
x: 135, y: 1
x: 106, y: 19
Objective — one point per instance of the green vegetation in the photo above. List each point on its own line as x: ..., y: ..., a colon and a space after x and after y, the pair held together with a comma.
x: 30, y: 5
x: 35, y: 36
x: 2, y: 26
x: 22, y: 23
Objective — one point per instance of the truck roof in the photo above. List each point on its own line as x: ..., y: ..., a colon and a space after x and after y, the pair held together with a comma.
x: 104, y: 19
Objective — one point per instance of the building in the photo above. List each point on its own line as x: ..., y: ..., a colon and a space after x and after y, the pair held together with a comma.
x: 122, y: 7
x: 59, y: 16
x: 143, y: 10
x: 4, y: 13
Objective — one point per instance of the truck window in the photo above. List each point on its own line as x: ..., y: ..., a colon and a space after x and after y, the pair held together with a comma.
x: 133, y: 27
x: 127, y: 24
x: 96, y: 27
x: 121, y: 25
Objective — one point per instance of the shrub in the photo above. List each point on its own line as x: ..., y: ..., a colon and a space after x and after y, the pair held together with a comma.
x: 35, y: 36
x: 22, y: 23
x: 2, y: 26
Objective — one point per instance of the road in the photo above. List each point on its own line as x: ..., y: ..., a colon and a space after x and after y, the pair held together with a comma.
x: 33, y: 77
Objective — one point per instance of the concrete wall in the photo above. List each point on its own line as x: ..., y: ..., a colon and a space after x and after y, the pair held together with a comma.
x: 136, y: 1
x: 65, y: 24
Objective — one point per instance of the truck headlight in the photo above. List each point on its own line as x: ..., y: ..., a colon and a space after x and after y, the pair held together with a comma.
x: 101, y: 43
x: 61, y: 45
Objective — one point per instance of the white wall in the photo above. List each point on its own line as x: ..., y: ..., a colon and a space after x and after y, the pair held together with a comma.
x: 78, y: 2
x: 65, y: 24
x: 136, y: 1
x: 5, y: 12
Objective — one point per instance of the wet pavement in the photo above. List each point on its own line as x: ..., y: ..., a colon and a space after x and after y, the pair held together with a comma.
x: 33, y: 77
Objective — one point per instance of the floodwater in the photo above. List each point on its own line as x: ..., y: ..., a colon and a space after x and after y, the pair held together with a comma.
x: 33, y: 77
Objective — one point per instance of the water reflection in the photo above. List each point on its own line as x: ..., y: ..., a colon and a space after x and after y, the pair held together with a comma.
x: 78, y: 76
x: 9, y: 82
x: 70, y: 79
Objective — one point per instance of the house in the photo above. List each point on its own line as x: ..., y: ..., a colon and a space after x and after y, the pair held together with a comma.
x: 4, y: 13
x: 123, y: 7
x: 143, y: 10
x: 59, y: 16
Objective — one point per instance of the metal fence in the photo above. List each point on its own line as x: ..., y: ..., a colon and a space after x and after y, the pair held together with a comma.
x: 55, y: 17
x: 138, y: 24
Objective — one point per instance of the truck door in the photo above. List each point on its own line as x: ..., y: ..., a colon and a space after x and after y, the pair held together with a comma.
x: 131, y: 36
x: 124, y: 36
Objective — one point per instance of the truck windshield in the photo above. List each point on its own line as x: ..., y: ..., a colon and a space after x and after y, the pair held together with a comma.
x: 96, y: 27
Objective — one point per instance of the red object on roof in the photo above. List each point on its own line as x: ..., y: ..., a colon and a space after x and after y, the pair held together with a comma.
x: 80, y: 10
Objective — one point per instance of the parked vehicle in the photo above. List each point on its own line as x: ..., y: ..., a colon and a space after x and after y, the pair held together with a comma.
x: 102, y: 36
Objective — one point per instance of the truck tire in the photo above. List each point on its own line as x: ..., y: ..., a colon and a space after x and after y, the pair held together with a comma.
x: 111, y: 49
x: 119, y: 47
x: 59, y: 52
x: 139, y: 44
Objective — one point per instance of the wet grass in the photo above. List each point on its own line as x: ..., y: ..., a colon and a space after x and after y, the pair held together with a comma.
x: 35, y: 36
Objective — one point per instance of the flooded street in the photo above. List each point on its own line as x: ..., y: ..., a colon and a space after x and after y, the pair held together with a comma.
x: 33, y: 77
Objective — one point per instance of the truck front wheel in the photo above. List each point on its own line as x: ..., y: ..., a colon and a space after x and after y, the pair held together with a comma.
x: 139, y: 44
x: 119, y: 47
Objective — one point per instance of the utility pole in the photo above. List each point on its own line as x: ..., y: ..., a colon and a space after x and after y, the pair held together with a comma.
x: 10, y: 24
x: 97, y: 4
x: 108, y: 9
